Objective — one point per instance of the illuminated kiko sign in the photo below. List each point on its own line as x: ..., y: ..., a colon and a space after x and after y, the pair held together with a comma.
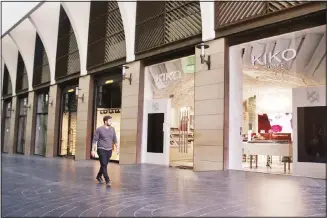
x: 110, y: 111
x: 172, y: 76
x: 266, y: 59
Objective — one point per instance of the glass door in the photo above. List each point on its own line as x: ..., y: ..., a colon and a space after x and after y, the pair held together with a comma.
x: 108, y: 103
x: 21, y: 125
x: 6, y: 128
x: 41, y: 124
x: 182, y: 137
x: 68, y: 123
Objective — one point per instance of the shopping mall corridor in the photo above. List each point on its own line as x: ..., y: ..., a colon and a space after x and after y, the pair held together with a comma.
x: 41, y: 187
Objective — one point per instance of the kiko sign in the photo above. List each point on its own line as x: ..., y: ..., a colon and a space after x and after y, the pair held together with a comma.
x: 267, y: 59
x: 171, y: 76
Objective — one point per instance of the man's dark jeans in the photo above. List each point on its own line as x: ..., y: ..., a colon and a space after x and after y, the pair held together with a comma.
x: 104, y: 157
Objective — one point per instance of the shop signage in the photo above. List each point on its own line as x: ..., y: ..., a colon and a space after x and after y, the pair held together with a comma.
x: 266, y: 59
x: 171, y: 76
x: 155, y: 106
x: 110, y: 111
x: 313, y: 96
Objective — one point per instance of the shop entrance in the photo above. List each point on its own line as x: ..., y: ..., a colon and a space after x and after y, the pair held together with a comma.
x: 41, y: 123
x: 158, y: 122
x: 67, y: 142
x: 270, y: 79
x: 181, y: 137
x: 6, y: 127
x: 169, y: 108
x: 21, y: 125
x: 108, y: 103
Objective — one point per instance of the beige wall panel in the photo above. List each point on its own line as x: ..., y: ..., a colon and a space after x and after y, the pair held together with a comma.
x: 128, y: 136
x: 209, y: 77
x: 209, y: 122
x: 130, y: 101
x: 130, y: 90
x: 207, y: 92
x: 129, y: 115
x: 208, y: 153
x: 129, y: 124
x: 209, y: 137
x: 84, y: 118
x: 53, y: 122
x: 126, y: 158
x: 209, y: 107
x: 13, y: 127
x: 200, y: 165
x: 30, y: 129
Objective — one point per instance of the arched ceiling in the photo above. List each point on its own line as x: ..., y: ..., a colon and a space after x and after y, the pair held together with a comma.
x: 10, y: 56
x: 24, y: 37
x: 6, y: 81
x: 46, y: 20
x: 79, y: 13
x: 41, y: 71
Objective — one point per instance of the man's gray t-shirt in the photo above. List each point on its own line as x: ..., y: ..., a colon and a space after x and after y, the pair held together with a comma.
x: 105, y: 136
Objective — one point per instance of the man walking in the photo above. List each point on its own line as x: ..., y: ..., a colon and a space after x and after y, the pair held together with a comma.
x: 103, y: 138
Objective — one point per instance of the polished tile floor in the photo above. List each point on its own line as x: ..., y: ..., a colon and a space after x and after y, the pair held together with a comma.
x: 38, y: 187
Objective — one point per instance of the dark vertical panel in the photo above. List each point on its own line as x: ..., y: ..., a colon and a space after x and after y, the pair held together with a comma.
x: 106, y: 41
x: 21, y: 79
x: 165, y: 22
x: 155, y: 133
x: 68, y: 60
x: 312, y: 134
x: 6, y: 89
x: 41, y: 73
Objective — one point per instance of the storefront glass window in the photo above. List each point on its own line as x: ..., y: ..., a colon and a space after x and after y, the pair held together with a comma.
x: 7, y: 107
x: 109, y: 104
x: 281, y: 81
x: 41, y: 123
x: 68, y: 123
x: 23, y: 102
x: 175, y: 80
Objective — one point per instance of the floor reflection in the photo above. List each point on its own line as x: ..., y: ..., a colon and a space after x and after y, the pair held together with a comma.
x: 35, y: 187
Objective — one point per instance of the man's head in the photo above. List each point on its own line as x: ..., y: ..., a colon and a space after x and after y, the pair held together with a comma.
x: 107, y: 120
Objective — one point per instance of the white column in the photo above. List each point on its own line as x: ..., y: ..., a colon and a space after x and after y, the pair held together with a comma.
x: 208, y: 20
x: 235, y: 107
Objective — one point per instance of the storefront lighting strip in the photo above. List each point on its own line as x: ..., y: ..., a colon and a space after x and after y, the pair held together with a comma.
x: 109, y: 81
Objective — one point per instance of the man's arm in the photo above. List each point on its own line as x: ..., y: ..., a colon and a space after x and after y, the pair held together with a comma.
x: 95, y: 139
x: 115, y: 140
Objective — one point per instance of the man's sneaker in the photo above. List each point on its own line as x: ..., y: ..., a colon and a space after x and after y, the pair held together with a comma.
x: 108, y: 184
x: 99, y: 179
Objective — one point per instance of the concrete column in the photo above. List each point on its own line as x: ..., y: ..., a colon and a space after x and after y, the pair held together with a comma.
x: 10, y: 146
x: 131, y: 119
x: 53, y: 122
x: 84, y: 118
x: 209, y: 109
x: 30, y: 124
